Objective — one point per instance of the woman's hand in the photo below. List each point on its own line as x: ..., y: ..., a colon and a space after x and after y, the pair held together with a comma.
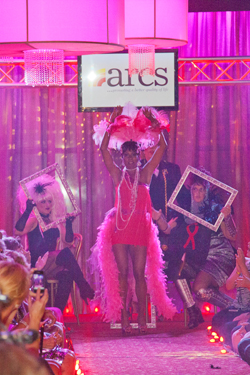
x: 148, y: 113
x: 116, y: 112
x: 242, y: 318
x: 70, y: 217
x: 172, y: 222
x: 234, y: 280
x: 49, y: 318
x: 156, y: 214
x: 29, y: 205
x: 160, y: 220
x: 37, y: 304
x: 237, y: 336
x: 49, y: 342
x: 242, y: 282
x: 41, y: 261
x: 226, y: 211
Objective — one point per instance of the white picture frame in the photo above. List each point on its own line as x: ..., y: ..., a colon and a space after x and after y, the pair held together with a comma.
x: 54, y: 168
x: 189, y: 169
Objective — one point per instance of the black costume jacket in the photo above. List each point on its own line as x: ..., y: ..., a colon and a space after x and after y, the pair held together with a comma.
x: 158, y: 188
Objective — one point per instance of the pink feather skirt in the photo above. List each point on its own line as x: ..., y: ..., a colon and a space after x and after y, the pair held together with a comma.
x: 109, y: 293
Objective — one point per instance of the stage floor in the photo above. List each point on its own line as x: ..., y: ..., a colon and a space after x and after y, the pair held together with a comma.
x: 168, y: 349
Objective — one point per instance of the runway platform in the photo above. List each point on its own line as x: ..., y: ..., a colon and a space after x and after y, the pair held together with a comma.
x: 170, y: 348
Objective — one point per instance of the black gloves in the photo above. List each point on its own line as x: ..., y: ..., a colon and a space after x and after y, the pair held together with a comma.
x: 69, y: 230
x: 20, y: 225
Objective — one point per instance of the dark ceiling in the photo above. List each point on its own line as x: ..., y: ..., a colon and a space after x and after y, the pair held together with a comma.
x: 217, y: 5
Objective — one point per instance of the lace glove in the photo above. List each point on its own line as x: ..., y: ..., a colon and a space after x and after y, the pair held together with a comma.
x: 230, y: 225
x: 20, y: 225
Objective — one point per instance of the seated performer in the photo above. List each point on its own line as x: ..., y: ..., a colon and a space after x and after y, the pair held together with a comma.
x: 127, y: 232
x: 196, y: 252
x: 61, y: 264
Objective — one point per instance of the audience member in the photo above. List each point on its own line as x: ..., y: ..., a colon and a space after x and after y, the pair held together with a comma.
x: 238, y: 312
x: 15, y: 360
x: 14, y: 287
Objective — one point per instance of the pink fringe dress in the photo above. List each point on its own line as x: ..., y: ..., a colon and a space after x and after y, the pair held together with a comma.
x: 138, y: 231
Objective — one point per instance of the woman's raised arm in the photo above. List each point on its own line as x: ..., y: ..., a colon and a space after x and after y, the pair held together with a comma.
x: 25, y: 224
x: 149, y: 168
x: 113, y: 169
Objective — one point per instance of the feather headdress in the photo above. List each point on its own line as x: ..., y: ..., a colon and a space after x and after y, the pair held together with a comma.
x: 133, y: 125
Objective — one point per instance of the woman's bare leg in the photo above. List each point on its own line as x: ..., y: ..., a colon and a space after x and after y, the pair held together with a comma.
x: 207, y: 289
x: 138, y: 255
x: 204, y: 280
x: 121, y: 256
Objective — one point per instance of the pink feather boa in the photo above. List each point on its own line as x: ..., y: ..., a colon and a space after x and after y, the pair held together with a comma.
x: 156, y: 280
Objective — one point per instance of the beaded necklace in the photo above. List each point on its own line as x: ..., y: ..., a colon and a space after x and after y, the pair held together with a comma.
x: 134, y: 189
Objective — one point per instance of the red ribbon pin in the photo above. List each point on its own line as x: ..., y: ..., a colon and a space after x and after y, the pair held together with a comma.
x: 191, y: 235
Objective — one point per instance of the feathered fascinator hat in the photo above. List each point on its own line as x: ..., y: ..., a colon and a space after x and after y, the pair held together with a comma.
x: 42, y: 187
x: 133, y: 125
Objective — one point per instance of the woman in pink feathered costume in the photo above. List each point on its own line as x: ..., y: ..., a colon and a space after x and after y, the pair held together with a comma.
x: 128, y: 233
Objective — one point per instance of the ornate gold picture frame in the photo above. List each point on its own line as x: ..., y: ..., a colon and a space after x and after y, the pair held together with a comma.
x: 70, y: 201
x: 227, y: 191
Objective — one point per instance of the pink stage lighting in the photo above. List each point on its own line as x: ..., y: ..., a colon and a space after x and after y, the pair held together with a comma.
x: 77, y: 27
x: 157, y: 23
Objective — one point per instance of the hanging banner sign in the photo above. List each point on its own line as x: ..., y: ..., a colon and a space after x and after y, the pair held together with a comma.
x: 104, y: 82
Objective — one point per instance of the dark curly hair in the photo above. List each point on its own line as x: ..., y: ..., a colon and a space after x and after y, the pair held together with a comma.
x: 130, y: 146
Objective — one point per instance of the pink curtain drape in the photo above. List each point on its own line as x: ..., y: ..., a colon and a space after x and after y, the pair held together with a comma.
x: 41, y: 126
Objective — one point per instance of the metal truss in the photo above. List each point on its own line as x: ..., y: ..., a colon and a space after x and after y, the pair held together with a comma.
x: 191, y: 71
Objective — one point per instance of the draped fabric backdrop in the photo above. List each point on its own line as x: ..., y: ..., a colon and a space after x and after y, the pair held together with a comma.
x: 41, y: 126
